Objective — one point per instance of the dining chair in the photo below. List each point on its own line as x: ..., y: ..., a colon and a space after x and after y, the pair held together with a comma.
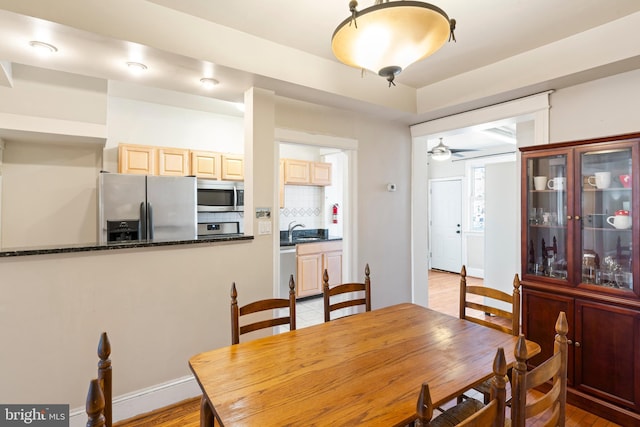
x: 552, y: 403
x: 486, y: 301
x: 352, y: 291
x: 262, y: 306
x: 469, y: 412
x: 99, y: 396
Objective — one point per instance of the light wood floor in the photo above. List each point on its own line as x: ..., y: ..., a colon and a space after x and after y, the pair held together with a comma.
x: 443, y: 296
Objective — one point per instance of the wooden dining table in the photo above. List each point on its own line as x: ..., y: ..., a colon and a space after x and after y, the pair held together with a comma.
x: 365, y: 369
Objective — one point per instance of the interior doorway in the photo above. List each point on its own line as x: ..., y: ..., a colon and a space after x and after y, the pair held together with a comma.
x: 342, y: 154
x: 531, y: 115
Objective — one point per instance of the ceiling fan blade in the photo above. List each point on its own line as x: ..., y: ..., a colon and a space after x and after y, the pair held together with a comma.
x: 462, y: 150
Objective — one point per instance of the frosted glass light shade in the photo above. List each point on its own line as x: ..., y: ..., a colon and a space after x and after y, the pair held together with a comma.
x: 391, y: 36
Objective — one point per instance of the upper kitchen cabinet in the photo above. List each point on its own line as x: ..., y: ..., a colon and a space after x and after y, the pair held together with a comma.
x: 320, y: 173
x: 136, y: 159
x: 580, y: 227
x: 150, y: 160
x: 173, y: 161
x: 232, y: 167
x: 205, y: 164
x: 296, y: 172
x: 302, y: 172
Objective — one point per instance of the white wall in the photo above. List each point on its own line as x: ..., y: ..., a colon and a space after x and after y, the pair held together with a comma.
x: 49, y: 194
x: 138, y: 122
x: 502, y: 240
x: 598, y: 108
x: 48, y: 187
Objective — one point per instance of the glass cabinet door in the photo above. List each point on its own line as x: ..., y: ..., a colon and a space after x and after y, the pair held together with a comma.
x: 605, y: 204
x: 547, y: 233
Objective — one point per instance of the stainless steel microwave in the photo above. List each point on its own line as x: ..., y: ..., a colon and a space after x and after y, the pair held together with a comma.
x: 220, y: 196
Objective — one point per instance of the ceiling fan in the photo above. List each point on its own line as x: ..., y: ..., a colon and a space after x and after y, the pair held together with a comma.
x: 442, y: 152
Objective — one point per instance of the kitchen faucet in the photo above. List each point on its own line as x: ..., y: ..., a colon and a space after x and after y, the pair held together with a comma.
x: 290, y: 231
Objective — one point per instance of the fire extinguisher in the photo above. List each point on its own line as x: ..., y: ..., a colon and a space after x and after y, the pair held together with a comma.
x: 334, y: 213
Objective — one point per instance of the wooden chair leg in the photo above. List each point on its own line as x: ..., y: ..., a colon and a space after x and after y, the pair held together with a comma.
x: 206, y: 414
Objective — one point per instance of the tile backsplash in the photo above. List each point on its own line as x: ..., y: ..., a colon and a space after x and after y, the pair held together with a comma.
x: 303, y: 204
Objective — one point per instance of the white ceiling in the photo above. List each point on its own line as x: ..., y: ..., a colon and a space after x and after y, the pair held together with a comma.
x: 284, y: 46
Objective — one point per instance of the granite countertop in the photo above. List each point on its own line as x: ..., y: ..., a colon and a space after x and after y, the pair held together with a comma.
x: 313, y: 235
x: 87, y: 247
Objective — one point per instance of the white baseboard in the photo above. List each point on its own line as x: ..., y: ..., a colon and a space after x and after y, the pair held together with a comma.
x: 475, y: 272
x: 143, y: 401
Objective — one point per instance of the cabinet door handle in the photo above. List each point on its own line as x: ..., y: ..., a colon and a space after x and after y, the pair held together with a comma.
x: 569, y: 342
x: 577, y: 344
x: 569, y: 217
x: 577, y: 217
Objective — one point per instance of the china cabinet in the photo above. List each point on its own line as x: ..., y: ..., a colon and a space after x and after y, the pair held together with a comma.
x: 580, y: 227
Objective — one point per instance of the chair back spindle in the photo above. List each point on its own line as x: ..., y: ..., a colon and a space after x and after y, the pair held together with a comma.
x: 104, y: 376
x: 554, y: 401
x: 262, y: 306
x: 95, y: 405
x: 346, y: 288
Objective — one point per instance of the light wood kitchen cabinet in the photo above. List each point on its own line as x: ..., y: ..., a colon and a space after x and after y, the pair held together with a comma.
x: 578, y: 243
x: 136, y: 159
x: 205, y: 164
x: 296, y: 172
x: 172, y: 161
x: 312, y: 260
x: 320, y: 173
x: 232, y: 167
x: 303, y: 172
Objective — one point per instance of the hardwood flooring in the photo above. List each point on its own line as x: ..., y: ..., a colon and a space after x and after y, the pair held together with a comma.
x: 443, y: 296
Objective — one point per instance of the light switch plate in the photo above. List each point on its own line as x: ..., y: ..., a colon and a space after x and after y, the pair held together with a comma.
x: 264, y: 227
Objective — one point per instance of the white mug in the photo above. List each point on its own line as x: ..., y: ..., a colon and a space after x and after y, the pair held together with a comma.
x: 540, y: 182
x: 600, y: 180
x: 622, y: 220
x: 557, y: 183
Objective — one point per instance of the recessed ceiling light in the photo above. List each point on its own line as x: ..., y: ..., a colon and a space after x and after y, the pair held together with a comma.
x: 42, y: 47
x: 136, y: 67
x: 208, y: 82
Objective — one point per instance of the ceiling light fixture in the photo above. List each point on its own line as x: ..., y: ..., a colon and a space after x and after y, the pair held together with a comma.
x: 42, y: 47
x: 136, y: 67
x: 208, y: 82
x: 440, y: 152
x: 389, y: 36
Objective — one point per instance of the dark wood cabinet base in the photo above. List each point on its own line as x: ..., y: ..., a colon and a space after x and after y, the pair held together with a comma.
x: 602, y: 408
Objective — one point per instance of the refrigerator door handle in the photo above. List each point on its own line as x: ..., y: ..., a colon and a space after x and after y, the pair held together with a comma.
x: 143, y: 221
x: 150, y: 213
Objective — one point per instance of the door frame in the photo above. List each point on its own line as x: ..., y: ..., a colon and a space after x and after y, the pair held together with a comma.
x: 534, y: 107
x: 350, y: 209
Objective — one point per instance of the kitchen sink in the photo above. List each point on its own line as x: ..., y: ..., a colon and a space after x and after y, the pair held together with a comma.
x: 307, y: 239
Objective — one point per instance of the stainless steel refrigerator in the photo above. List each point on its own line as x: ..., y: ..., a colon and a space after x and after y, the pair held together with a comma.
x: 146, y: 208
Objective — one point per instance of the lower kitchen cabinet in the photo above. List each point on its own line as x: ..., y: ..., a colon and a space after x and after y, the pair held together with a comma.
x: 312, y: 260
x: 604, y: 350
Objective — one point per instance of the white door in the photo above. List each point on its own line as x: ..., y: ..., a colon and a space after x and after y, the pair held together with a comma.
x: 446, y: 225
